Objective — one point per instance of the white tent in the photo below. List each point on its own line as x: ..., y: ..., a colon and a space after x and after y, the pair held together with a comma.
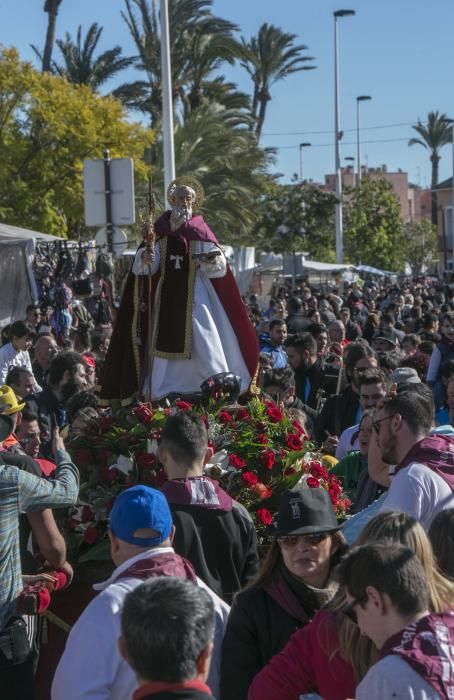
x: 18, y: 286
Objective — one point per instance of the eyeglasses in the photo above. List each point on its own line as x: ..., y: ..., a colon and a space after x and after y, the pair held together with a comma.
x: 376, y: 423
x: 290, y: 541
x: 349, y: 610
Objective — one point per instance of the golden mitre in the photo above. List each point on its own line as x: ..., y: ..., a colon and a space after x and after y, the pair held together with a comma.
x: 186, y: 181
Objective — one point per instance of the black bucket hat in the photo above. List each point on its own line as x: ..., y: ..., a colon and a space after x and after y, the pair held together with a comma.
x: 305, y: 511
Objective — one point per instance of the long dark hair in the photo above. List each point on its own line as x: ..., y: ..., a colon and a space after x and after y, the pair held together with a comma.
x: 273, y: 560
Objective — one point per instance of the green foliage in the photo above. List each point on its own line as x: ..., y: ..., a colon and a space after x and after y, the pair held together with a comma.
x: 200, y: 44
x: 80, y: 66
x: 47, y: 128
x: 421, y: 244
x: 373, y: 227
x: 295, y: 218
x: 269, y: 57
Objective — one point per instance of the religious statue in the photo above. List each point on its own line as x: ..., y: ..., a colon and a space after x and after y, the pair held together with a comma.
x: 181, y: 318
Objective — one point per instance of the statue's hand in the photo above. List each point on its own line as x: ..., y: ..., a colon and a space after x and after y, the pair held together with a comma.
x: 148, y: 256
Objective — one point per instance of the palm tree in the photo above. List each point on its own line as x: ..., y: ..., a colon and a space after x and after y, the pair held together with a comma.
x: 200, y: 43
x: 437, y: 132
x: 81, y: 67
x: 51, y: 7
x: 269, y: 57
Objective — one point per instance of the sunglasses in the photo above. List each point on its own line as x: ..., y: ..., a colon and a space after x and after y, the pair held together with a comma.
x: 376, y: 423
x: 350, y: 612
x: 290, y: 541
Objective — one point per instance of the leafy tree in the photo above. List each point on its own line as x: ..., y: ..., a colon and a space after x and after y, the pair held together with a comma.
x: 373, y: 227
x: 298, y: 217
x: 433, y: 135
x: 51, y: 7
x: 47, y: 128
x: 270, y: 57
x: 421, y: 245
x: 81, y: 67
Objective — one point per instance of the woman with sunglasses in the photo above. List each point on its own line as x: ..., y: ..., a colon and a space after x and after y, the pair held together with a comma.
x: 330, y: 656
x: 294, y: 582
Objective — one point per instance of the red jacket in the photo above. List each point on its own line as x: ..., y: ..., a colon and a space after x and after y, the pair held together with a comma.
x: 308, y: 664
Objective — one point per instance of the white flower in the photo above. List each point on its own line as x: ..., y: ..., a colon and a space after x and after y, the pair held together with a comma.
x: 123, y: 464
x: 152, y: 447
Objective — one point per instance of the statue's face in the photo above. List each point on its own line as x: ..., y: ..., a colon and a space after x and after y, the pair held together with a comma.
x: 183, y: 198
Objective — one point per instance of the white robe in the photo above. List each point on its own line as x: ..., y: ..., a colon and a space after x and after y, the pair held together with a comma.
x: 214, y: 346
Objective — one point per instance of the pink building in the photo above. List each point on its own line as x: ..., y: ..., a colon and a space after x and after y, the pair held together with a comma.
x: 414, y: 201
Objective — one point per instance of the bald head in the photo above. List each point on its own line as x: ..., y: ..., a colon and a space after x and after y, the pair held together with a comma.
x: 45, y: 350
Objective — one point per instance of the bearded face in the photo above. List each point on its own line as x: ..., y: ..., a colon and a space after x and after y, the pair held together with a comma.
x: 183, y: 200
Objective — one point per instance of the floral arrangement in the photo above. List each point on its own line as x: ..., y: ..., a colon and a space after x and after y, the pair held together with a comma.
x: 259, y: 451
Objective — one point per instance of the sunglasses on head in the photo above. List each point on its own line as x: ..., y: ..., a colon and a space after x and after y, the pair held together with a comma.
x: 290, y: 541
x: 350, y: 612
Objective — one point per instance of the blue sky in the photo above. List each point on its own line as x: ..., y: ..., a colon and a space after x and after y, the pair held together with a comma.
x: 400, y: 52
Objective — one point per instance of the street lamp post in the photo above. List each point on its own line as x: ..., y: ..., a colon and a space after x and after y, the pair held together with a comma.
x: 337, y: 138
x: 302, y: 145
x: 167, y: 100
x: 360, y: 98
x: 451, y: 123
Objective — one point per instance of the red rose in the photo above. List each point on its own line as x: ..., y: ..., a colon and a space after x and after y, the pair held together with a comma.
x: 108, y: 474
x: 267, y: 458
x: 225, y: 418
x: 91, y: 535
x: 312, y: 482
x: 87, y: 515
x: 261, y: 438
x: 262, y: 491
x: 184, y: 405
x: 83, y: 457
x: 298, y: 427
x: 264, y: 516
x: 274, y: 414
x: 318, y: 470
x: 146, y: 461
x: 293, y: 442
x: 105, y: 423
x: 143, y: 413
x: 289, y: 471
x: 237, y: 462
x: 261, y: 426
x: 104, y: 456
x: 250, y: 479
x: 242, y: 414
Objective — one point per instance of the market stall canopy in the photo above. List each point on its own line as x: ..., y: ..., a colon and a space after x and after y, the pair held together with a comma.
x: 17, y: 248
x: 24, y: 234
x: 325, y: 267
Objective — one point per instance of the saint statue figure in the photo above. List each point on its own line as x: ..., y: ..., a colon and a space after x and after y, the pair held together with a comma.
x: 181, y: 318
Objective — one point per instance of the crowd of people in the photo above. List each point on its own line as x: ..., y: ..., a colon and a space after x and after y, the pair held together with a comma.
x: 194, y: 607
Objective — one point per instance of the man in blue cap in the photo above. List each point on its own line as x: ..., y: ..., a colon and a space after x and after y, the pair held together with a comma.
x: 141, y: 533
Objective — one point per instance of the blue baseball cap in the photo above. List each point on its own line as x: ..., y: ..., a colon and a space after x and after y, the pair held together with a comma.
x: 138, y: 508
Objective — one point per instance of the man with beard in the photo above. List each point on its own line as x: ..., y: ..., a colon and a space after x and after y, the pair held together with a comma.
x: 422, y: 480
x: 66, y: 377
x: 303, y: 359
x: 181, y: 319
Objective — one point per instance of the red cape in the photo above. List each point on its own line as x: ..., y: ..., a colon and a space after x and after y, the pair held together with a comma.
x: 122, y: 370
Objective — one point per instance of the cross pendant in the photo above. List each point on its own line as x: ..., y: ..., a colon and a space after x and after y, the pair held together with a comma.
x: 178, y: 259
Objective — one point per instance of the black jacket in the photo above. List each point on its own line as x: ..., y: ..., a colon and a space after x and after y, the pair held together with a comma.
x: 339, y: 412
x: 221, y: 545
x: 51, y: 413
x: 183, y: 694
x: 257, y: 629
x: 316, y: 378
